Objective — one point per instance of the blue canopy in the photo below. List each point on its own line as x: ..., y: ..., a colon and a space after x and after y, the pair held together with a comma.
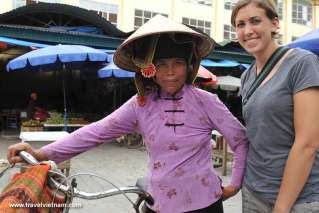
x: 222, y: 63
x: 111, y: 70
x: 54, y: 57
x: 310, y: 42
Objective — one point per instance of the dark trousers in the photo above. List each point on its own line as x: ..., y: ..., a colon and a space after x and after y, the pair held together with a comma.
x: 216, y: 207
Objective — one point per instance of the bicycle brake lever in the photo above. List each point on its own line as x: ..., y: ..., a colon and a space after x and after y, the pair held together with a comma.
x: 28, y: 158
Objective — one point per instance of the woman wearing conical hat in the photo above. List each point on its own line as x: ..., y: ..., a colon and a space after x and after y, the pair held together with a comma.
x: 175, y: 119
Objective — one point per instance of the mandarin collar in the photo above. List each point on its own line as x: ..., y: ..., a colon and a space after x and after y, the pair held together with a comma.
x: 178, y: 95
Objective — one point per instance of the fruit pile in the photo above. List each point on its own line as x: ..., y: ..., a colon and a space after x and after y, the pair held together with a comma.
x: 55, y: 118
x: 31, y: 123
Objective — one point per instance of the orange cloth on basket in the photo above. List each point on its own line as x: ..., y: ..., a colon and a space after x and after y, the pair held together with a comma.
x: 30, y: 187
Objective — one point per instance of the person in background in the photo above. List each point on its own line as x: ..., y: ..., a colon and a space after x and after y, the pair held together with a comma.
x: 32, y: 105
x: 281, y: 116
x: 34, y: 111
x: 174, y: 117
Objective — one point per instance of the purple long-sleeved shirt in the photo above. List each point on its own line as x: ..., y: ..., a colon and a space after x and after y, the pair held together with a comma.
x: 177, y: 133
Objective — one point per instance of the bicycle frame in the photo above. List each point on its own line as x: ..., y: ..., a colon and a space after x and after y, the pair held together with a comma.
x: 71, y: 191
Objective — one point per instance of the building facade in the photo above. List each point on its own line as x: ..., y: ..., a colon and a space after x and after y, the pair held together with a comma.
x: 211, y: 16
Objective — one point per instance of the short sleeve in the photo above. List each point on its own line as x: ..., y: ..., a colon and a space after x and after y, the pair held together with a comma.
x: 305, y: 73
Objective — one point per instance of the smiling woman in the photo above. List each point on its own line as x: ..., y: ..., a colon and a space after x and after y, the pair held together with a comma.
x: 256, y: 28
x: 281, y: 116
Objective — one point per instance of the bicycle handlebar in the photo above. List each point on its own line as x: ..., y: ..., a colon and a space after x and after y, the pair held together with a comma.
x: 98, y: 195
x: 72, y: 191
x: 108, y: 193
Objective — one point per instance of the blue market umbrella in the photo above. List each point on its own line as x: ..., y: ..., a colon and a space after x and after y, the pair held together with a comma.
x: 106, y: 72
x: 310, y: 42
x: 59, y: 57
x: 111, y: 70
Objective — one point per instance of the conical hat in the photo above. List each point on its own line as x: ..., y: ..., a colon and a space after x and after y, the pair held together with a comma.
x: 159, y: 25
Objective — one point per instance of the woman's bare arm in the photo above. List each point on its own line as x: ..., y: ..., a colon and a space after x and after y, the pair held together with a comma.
x: 303, y: 152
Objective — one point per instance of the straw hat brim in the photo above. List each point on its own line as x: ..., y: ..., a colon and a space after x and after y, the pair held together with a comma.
x: 160, y: 25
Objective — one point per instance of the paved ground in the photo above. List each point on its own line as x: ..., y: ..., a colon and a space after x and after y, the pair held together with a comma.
x: 120, y: 165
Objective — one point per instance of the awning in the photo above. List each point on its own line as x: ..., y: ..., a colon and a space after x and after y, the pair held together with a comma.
x: 21, y: 42
x: 24, y: 43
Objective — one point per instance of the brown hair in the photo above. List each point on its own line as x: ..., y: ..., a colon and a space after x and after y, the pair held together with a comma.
x: 268, y: 5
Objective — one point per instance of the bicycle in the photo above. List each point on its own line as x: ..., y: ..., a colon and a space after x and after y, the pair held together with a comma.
x: 59, y: 182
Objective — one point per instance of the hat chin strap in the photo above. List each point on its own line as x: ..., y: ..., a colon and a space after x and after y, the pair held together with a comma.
x: 193, y: 67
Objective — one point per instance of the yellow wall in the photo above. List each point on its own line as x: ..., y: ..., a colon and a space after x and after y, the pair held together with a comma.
x: 315, y: 4
x: 5, y: 6
x: 176, y: 9
x: 222, y: 17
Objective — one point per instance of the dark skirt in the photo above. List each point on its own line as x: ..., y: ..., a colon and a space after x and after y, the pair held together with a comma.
x: 216, y: 207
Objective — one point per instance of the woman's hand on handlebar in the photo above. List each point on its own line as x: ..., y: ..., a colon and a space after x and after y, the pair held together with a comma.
x: 13, y: 153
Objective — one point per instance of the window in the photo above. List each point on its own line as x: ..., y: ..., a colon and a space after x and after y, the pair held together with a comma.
x: 302, y: 12
x: 16, y: 3
x: 35, y: 1
x: 229, y: 32
x: 107, y: 11
x: 294, y: 38
x: 142, y: 16
x: 19, y: 3
x: 50, y: 1
x: 204, y: 26
x: 202, y: 2
x: 279, y: 4
x: 229, y: 4
x: 111, y: 17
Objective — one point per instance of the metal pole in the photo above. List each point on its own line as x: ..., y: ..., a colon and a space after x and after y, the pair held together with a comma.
x: 65, y: 116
